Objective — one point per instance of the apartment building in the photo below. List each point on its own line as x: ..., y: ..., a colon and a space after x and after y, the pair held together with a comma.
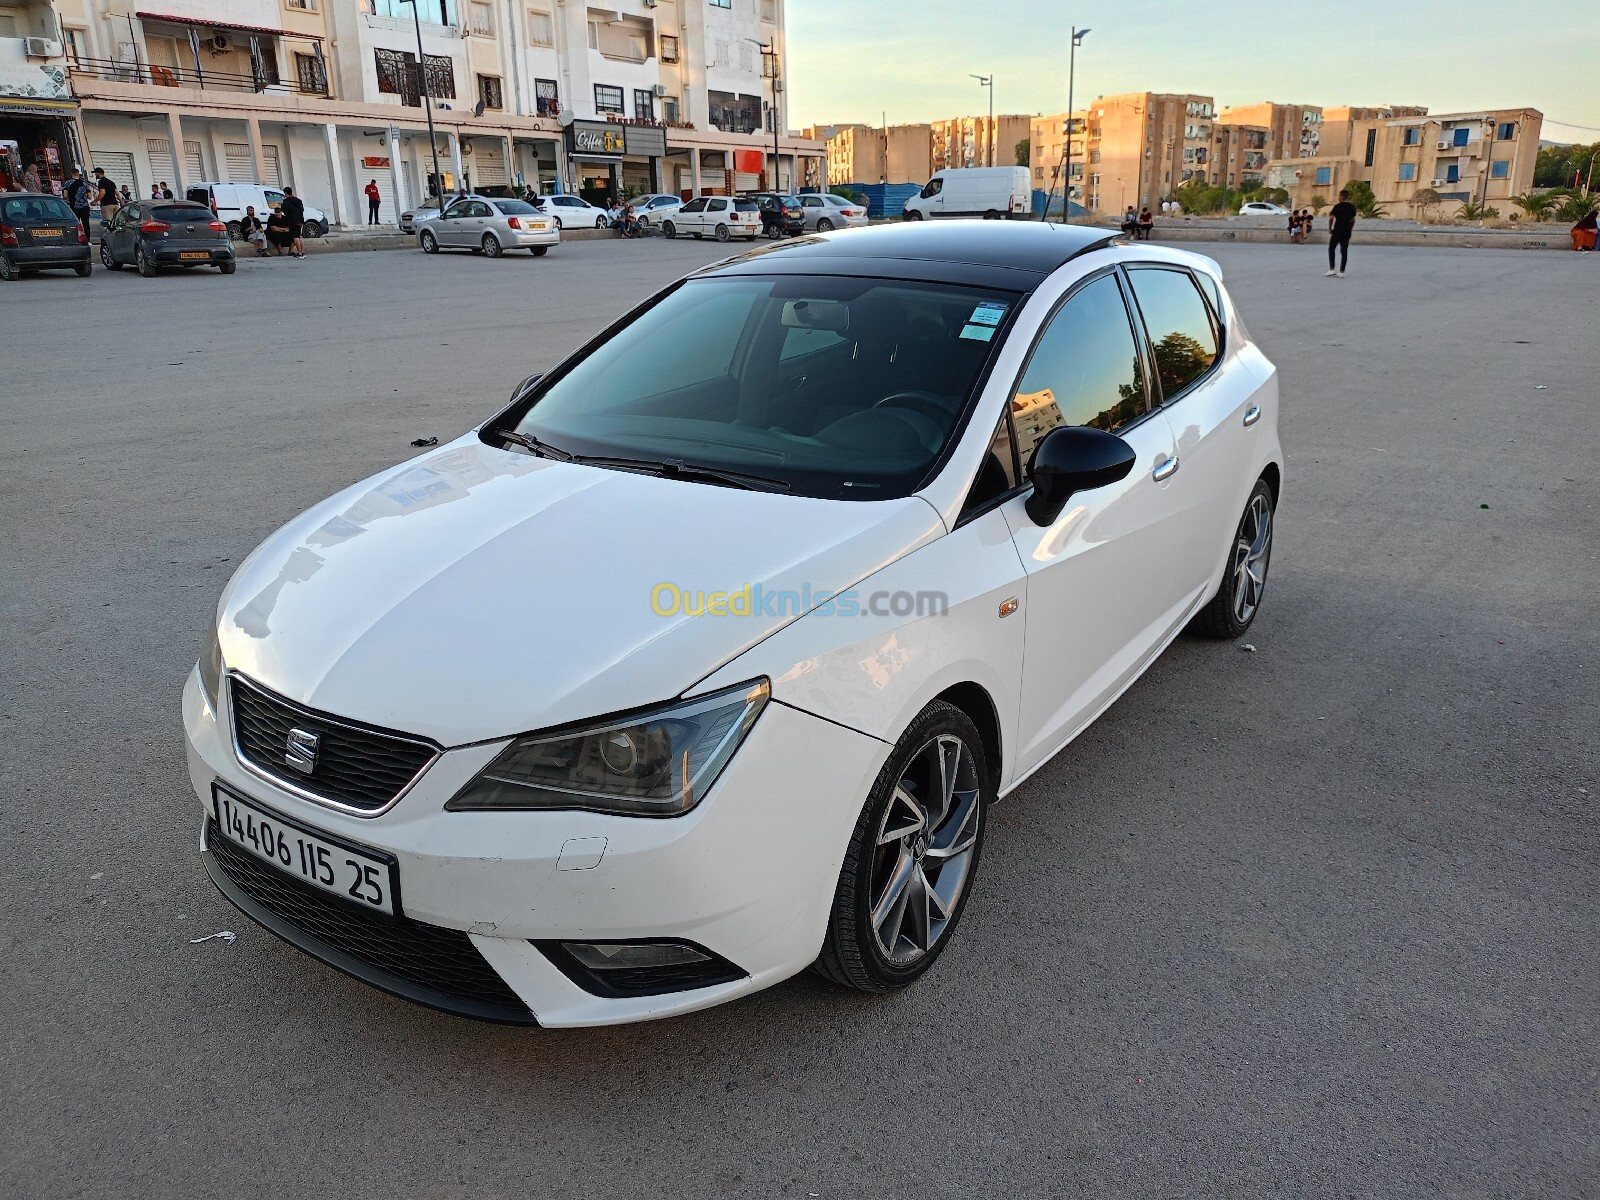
x: 1480, y: 157
x: 1238, y: 155
x: 978, y: 141
x: 1128, y: 149
x: 1293, y: 130
x: 1338, y: 124
x: 873, y: 154
x: 661, y: 95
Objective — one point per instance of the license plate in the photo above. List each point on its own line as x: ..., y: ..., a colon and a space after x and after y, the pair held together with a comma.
x: 361, y: 876
x: 39, y: 233
x: 537, y: 225
x: 194, y: 254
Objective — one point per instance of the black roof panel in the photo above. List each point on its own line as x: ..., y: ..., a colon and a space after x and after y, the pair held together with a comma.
x: 1024, y: 251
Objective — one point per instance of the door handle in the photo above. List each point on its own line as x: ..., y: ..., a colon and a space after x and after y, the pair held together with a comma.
x: 1165, y: 469
x: 1252, y: 415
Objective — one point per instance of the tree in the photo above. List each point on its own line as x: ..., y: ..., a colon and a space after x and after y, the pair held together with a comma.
x: 1425, y: 199
x: 1319, y: 202
x: 1536, y: 204
x: 1565, y: 166
x: 1366, y: 203
x: 1469, y: 211
x: 1576, y: 207
x: 1024, y: 149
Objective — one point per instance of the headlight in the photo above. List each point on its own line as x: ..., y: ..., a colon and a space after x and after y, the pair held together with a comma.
x: 211, y: 670
x: 659, y: 764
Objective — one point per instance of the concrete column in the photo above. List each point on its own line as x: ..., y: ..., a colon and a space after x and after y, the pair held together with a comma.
x: 396, y: 178
x: 456, y: 169
x: 694, y: 170
x: 563, y: 180
x: 341, y: 207
x: 252, y: 129
x: 175, y: 134
x: 510, y: 143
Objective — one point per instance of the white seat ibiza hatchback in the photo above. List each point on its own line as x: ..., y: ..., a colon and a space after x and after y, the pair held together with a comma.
x: 708, y: 659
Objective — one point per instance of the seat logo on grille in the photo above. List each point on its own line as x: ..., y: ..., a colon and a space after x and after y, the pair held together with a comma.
x: 300, y: 750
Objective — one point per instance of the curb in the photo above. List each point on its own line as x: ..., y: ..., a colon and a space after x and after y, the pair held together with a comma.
x: 1454, y: 239
x: 339, y: 243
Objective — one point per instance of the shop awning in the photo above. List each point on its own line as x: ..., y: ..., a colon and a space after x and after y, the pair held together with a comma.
x: 288, y: 33
x: 36, y: 107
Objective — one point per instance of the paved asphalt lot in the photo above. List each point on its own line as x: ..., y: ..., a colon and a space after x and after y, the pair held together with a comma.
x: 1316, y: 920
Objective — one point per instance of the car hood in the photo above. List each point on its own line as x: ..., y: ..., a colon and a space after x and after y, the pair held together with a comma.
x: 474, y: 593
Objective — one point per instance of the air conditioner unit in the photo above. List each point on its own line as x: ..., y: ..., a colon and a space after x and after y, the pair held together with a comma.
x: 219, y: 43
x: 1438, y: 183
x: 651, y: 3
x: 43, y: 48
x: 777, y: 85
x: 660, y: 89
x: 1444, y: 146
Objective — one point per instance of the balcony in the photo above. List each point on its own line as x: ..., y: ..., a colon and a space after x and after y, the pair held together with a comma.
x: 313, y: 83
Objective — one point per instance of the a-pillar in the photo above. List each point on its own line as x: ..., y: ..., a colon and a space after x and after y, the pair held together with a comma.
x: 252, y: 130
x: 336, y: 178
x: 180, y: 186
x: 396, y: 178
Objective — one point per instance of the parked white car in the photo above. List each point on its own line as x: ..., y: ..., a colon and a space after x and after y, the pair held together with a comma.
x: 656, y: 207
x: 1260, y: 208
x: 825, y: 211
x: 992, y: 192
x: 229, y: 201
x: 573, y: 212
x: 721, y: 217
x: 901, y: 514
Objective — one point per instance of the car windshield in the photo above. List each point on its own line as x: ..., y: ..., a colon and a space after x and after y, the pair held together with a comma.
x: 38, y: 208
x: 834, y: 387
x: 790, y: 201
x: 515, y: 208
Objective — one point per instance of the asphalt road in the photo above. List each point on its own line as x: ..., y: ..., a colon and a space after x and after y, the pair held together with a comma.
x: 1313, y: 920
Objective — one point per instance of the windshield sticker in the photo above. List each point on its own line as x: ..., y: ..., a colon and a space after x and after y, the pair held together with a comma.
x: 978, y: 333
x: 987, y: 313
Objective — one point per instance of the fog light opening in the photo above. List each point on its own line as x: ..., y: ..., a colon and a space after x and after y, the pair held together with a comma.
x: 649, y: 967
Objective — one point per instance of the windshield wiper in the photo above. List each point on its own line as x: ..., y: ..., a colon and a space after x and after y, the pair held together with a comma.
x: 677, y: 469
x: 534, y: 446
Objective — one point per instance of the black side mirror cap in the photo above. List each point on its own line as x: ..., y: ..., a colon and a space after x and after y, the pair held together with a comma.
x: 521, y: 390
x: 1072, y: 459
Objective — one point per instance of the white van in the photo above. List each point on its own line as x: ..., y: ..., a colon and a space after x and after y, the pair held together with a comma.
x: 228, y: 201
x: 992, y: 192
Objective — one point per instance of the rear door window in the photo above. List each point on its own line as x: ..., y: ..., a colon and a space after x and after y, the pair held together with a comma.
x: 1182, y: 338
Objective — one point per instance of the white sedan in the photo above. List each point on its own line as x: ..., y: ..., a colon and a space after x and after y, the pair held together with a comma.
x: 721, y: 217
x: 1260, y: 208
x: 709, y: 657
x: 573, y: 212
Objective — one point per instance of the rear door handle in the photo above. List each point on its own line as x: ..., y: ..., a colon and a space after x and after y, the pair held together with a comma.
x: 1165, y: 469
x: 1252, y: 415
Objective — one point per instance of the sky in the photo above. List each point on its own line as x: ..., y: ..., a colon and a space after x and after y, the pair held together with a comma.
x: 855, y: 60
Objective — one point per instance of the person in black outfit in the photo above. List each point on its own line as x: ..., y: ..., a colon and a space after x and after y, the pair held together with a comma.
x: 294, y: 210
x: 77, y: 194
x: 1341, y: 224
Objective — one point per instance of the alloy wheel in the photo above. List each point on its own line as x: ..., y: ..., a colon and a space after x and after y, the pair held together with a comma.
x: 1250, y: 556
x: 924, y: 850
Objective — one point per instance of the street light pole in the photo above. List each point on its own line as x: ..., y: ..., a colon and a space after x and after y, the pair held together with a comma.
x: 771, y: 49
x: 427, y: 102
x: 1066, y: 154
x: 987, y: 81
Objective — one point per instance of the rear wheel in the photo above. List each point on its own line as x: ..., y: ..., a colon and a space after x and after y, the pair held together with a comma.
x: 1244, y: 581
x: 668, y: 228
x: 911, y: 860
x: 722, y: 233
x: 108, y: 262
x: 146, y: 268
x: 235, y: 230
x: 229, y: 267
x: 430, y: 244
x: 84, y: 270
x: 558, y: 222
x: 540, y: 251
x: 8, y: 269
x: 491, y: 245
x: 824, y: 225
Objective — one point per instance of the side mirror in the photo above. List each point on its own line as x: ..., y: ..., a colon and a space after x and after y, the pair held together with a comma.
x: 1072, y: 459
x: 521, y: 390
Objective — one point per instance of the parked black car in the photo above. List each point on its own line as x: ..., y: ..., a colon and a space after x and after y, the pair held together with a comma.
x: 39, y: 232
x: 794, y: 217
x: 151, y: 234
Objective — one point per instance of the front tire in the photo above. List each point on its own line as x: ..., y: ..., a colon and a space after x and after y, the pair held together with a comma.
x: 313, y: 230
x: 491, y: 246
x: 911, y: 860
x: 1244, y: 582
x: 722, y: 233
x: 599, y: 222
x: 669, y: 229
x: 106, y: 260
x: 430, y: 244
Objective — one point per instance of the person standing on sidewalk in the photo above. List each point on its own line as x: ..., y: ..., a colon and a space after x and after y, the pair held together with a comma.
x: 374, y: 199
x: 78, y: 193
x: 1341, y: 224
x: 294, y: 211
x: 106, y: 195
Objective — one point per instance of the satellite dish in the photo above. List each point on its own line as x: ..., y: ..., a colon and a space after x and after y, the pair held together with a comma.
x: 477, y: 109
x: 563, y: 118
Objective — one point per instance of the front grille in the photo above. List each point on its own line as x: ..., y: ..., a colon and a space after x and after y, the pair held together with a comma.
x: 358, y: 766
x: 421, y: 962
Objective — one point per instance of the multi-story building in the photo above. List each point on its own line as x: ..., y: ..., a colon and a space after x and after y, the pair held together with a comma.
x: 1482, y: 157
x: 874, y: 154
x: 1129, y: 149
x: 978, y: 141
x: 1338, y: 125
x: 1238, y: 155
x: 1293, y: 130
x: 661, y: 95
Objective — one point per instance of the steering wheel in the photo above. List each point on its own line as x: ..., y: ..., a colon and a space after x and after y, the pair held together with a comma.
x: 928, y: 404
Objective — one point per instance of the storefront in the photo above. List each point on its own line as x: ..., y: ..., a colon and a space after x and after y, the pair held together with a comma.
x: 37, y: 116
x: 612, y: 159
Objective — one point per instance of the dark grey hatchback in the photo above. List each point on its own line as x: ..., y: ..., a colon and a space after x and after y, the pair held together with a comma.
x: 39, y: 232
x: 151, y: 234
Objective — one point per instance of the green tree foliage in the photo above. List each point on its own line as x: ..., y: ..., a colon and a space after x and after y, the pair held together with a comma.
x: 1559, y: 166
x: 1470, y: 211
x: 1537, y: 205
x: 1576, y: 206
x: 1023, y: 149
x: 1319, y: 202
x: 1366, y: 203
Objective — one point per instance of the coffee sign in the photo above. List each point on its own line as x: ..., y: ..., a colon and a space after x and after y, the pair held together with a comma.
x: 597, y: 141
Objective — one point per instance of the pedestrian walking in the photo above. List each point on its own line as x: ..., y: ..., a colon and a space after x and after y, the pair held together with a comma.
x: 374, y: 200
x: 1341, y: 224
x: 78, y: 195
x: 107, y: 197
x: 166, y: 190
x: 294, y: 211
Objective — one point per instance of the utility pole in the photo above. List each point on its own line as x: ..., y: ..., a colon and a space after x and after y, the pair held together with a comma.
x: 770, y: 50
x: 988, y: 82
x: 427, y: 102
x: 1066, y: 154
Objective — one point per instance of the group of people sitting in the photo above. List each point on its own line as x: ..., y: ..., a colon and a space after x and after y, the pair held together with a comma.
x: 276, y: 232
x: 1300, y: 224
x: 623, y: 219
x: 1138, y: 224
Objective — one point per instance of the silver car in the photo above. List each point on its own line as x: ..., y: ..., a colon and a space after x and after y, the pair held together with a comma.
x: 489, y: 225
x: 825, y: 211
x: 654, y: 207
x: 425, y: 211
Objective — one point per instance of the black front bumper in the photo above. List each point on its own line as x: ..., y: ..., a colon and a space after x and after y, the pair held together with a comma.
x: 426, y: 964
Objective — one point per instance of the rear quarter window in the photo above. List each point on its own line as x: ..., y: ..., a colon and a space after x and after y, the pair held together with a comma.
x: 746, y: 206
